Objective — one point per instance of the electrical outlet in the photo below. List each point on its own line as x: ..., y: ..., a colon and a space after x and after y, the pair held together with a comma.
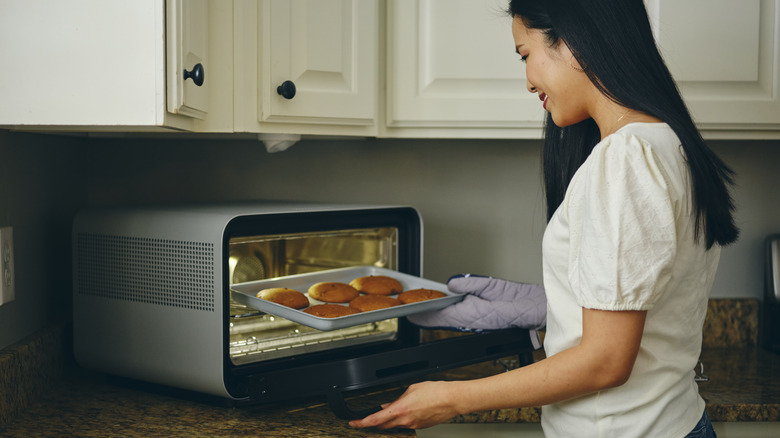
x: 7, y: 280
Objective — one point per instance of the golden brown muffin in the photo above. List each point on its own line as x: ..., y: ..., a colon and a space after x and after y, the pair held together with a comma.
x: 333, y: 292
x: 417, y: 295
x: 330, y: 310
x: 285, y: 297
x: 377, y: 285
x: 365, y: 303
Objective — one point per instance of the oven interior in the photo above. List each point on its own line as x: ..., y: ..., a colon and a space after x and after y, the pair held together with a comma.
x: 256, y: 337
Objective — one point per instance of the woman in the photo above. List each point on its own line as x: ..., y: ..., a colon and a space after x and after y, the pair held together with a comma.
x: 638, y: 209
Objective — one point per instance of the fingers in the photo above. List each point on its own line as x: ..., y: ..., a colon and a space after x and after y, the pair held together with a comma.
x: 385, y: 419
x: 422, y: 405
x: 493, y: 289
x: 391, y: 415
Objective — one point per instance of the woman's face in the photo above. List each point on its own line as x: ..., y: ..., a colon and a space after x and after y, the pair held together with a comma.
x: 564, y: 91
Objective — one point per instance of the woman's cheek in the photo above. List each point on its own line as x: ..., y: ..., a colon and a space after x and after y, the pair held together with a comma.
x: 532, y: 77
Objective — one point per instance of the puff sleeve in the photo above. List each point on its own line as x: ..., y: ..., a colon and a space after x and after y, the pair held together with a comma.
x: 623, y: 233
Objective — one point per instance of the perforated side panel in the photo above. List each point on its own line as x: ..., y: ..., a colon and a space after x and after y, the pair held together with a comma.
x: 154, y: 271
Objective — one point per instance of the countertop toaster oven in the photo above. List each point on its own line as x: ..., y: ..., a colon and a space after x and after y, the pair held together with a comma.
x: 152, y: 300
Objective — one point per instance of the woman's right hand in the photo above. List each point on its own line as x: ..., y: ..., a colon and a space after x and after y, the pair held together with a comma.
x: 490, y: 304
x: 423, y: 405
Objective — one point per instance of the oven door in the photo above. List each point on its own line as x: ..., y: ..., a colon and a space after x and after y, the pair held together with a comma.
x: 334, y: 377
x: 276, y: 245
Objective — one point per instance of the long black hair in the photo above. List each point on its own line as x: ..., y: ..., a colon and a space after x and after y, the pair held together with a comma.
x: 613, y: 42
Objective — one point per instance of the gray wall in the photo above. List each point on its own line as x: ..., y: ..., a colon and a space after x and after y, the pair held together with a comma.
x: 41, y: 185
x: 481, y: 200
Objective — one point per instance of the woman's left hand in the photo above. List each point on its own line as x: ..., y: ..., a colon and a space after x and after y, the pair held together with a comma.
x: 422, y: 405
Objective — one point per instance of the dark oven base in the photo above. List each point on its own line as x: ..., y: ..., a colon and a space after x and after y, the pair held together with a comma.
x: 335, y: 378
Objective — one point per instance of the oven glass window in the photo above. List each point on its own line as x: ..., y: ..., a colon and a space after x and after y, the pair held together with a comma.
x: 256, y: 336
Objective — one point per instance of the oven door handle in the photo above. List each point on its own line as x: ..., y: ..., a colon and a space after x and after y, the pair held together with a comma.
x: 394, y: 366
x: 338, y: 405
x: 419, y: 360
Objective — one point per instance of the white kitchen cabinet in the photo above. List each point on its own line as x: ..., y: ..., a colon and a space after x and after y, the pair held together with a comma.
x: 324, y: 50
x: 386, y: 68
x: 187, y: 55
x: 452, y: 71
x: 725, y: 57
x: 99, y: 65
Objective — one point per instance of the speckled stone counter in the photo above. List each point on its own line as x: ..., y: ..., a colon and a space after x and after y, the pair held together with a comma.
x: 744, y: 385
x: 89, y: 405
x: 731, y: 323
x: 30, y: 367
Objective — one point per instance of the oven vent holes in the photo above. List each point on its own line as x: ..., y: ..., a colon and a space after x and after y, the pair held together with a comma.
x: 154, y: 271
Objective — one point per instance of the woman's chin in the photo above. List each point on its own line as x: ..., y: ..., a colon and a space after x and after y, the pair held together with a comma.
x: 559, y: 122
x: 563, y: 122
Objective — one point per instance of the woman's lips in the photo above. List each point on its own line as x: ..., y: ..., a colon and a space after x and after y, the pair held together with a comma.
x: 543, y: 98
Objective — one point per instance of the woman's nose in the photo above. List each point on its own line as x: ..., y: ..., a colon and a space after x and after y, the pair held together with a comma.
x: 530, y: 86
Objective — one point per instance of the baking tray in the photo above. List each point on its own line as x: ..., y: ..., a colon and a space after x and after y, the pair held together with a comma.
x: 245, y: 293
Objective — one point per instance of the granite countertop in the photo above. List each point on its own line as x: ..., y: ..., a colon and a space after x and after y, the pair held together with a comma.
x: 743, y: 386
x: 88, y: 404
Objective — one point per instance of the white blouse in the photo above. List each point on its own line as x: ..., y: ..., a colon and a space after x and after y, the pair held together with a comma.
x: 622, y: 239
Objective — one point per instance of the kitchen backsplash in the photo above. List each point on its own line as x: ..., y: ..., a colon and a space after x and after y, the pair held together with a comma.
x: 481, y: 200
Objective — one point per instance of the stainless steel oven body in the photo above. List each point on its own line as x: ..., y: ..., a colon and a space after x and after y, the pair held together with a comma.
x: 152, y: 301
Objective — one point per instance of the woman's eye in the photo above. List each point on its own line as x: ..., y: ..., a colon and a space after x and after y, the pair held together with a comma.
x: 523, y: 58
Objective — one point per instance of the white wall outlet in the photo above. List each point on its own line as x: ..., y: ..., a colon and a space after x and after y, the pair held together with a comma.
x: 7, y: 279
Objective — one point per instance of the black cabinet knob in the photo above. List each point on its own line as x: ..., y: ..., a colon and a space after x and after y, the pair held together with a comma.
x: 287, y: 89
x: 197, y: 74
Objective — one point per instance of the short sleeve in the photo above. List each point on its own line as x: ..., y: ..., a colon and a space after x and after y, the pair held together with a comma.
x: 623, y: 233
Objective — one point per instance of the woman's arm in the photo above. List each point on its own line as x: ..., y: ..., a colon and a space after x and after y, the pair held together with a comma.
x: 603, y: 359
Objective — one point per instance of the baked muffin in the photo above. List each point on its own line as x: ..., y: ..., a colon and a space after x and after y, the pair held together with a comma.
x: 366, y: 303
x: 333, y: 292
x: 286, y: 297
x: 377, y: 285
x: 330, y: 310
x: 417, y: 295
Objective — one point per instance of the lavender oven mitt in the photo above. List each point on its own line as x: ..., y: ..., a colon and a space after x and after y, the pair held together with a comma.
x: 490, y: 304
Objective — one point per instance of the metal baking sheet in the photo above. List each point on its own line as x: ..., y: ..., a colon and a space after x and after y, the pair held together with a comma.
x: 245, y: 293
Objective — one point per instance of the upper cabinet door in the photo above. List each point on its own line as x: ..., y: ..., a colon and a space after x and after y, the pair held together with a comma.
x: 85, y: 65
x: 725, y: 57
x: 452, y: 72
x: 81, y: 63
x: 452, y: 65
x: 327, y: 51
x: 187, y: 51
